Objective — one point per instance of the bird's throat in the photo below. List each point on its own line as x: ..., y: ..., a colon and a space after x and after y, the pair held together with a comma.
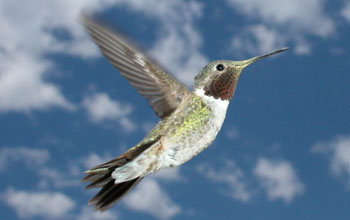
x: 222, y: 86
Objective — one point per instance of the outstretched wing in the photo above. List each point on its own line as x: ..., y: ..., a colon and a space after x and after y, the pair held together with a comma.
x: 163, y: 91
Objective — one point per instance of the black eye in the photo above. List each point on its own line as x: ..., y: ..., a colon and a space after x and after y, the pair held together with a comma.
x: 220, y: 67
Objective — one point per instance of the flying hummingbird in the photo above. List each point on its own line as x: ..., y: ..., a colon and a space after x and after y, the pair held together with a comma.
x: 190, y: 120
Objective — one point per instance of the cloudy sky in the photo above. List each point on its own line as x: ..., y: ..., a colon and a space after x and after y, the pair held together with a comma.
x: 284, y: 149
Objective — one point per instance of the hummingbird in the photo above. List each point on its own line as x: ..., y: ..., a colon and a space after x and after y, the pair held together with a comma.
x: 190, y: 120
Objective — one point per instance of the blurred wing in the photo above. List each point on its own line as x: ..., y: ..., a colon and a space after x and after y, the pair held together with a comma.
x: 163, y: 91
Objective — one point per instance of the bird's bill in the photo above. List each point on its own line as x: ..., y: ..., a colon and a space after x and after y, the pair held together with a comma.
x: 246, y: 63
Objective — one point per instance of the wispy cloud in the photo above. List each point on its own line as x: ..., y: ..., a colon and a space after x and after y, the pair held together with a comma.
x: 38, y: 160
x: 279, y: 22
x: 169, y: 174
x: 31, y: 157
x: 230, y: 175
x: 345, y: 11
x: 22, y: 87
x: 23, y: 47
x: 232, y: 133
x: 155, y: 201
x: 185, y: 61
x: 93, y: 159
x: 177, y: 34
x: 279, y: 179
x: 25, y: 66
x: 337, y: 151
x: 57, y: 179
x: 101, y: 107
x: 258, y: 39
x: 46, y: 203
x: 30, y: 204
x: 87, y: 213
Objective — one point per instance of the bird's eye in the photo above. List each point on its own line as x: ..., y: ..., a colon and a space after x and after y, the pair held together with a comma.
x: 220, y: 67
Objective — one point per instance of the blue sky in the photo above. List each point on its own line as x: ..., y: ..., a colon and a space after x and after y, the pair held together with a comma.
x: 283, y: 151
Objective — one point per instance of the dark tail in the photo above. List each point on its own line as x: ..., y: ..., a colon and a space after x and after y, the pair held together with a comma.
x: 101, y: 177
x: 111, y: 193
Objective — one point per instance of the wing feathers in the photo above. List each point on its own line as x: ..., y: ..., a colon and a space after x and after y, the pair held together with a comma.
x: 162, y: 90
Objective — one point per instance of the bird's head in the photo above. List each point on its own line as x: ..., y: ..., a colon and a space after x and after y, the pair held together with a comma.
x: 219, y: 78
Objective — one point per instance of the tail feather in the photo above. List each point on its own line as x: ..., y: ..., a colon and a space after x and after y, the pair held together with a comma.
x: 100, y: 181
x: 105, y: 190
x: 101, y: 177
x: 111, y: 193
x: 92, y: 177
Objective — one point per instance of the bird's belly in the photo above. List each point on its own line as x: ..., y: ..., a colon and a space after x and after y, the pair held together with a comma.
x: 180, y: 149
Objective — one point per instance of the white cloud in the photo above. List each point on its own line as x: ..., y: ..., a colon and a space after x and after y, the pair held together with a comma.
x: 21, y: 86
x: 94, y: 159
x: 155, y: 200
x: 31, y: 157
x: 23, y: 48
x: 178, y: 35
x: 101, y: 107
x: 279, y: 179
x: 25, y: 65
x: 345, y: 11
x: 185, y: 61
x: 87, y: 213
x: 281, y: 22
x: 29, y: 204
x: 300, y: 15
x: 232, y: 176
x: 71, y: 175
x: 338, y: 152
x: 58, y: 178
x: 170, y: 174
x: 37, y: 159
x: 302, y: 46
x: 232, y: 133
x: 258, y: 39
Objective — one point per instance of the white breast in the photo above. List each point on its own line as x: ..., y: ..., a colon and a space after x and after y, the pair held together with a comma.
x: 178, y: 153
x: 219, y: 108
